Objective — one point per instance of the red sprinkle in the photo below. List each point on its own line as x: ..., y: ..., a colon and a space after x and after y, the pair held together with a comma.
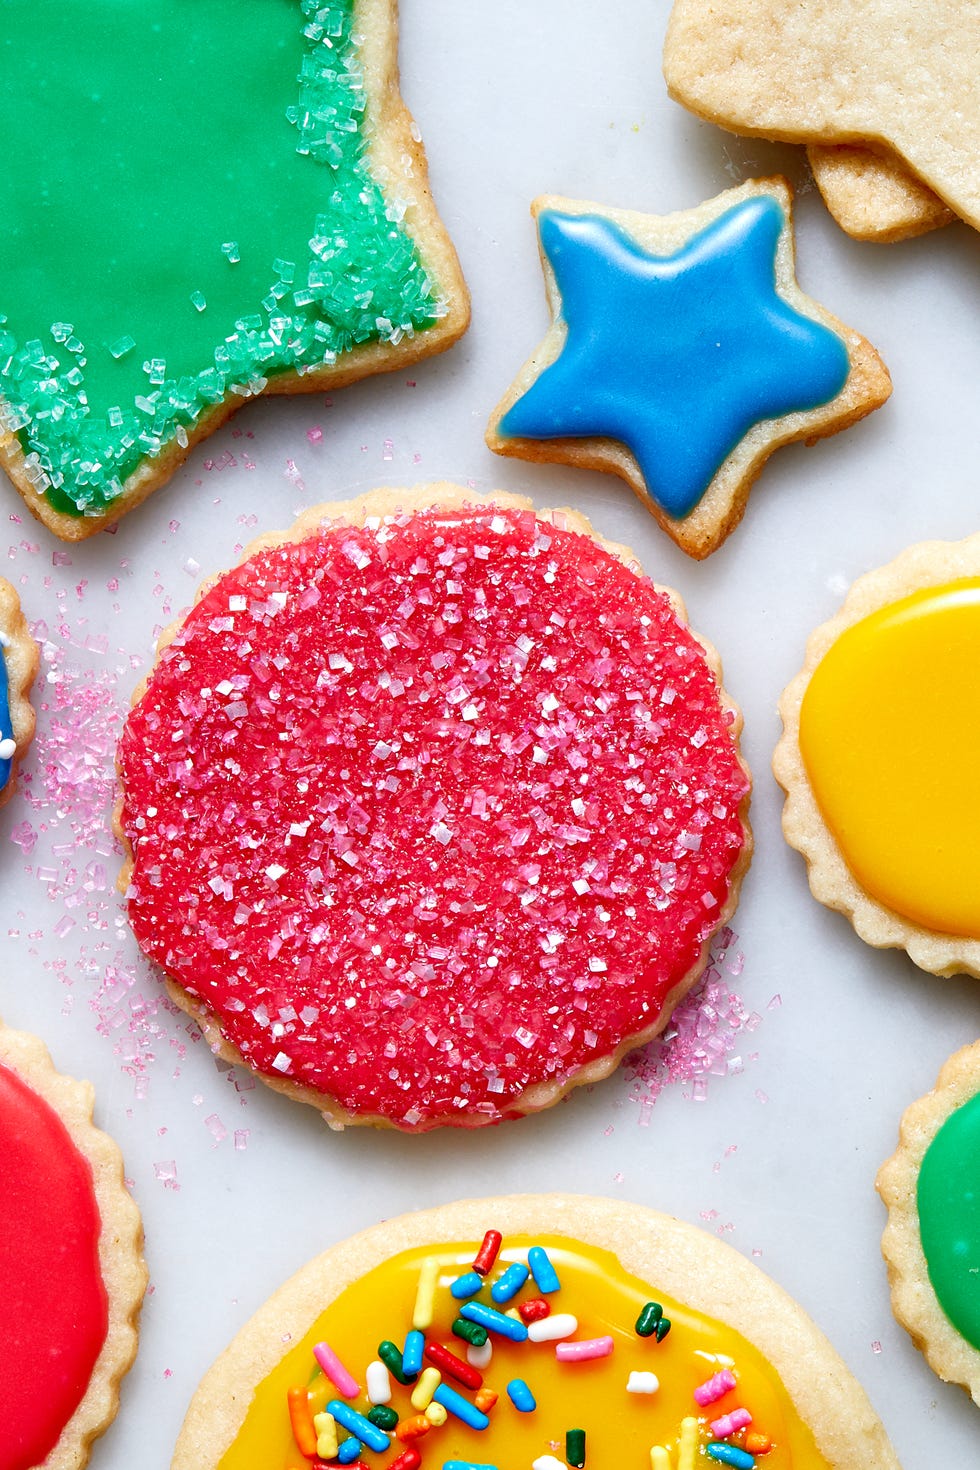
x: 448, y: 1362
x: 534, y: 1310
x: 487, y: 1254
x: 409, y: 1459
x: 431, y: 812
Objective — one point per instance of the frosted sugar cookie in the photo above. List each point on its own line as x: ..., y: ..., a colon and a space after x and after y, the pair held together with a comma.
x: 71, y: 1269
x: 878, y: 757
x: 541, y: 1330
x: 681, y: 353
x: 897, y: 75
x: 243, y: 208
x: 18, y: 669
x: 932, y: 1240
x: 432, y: 807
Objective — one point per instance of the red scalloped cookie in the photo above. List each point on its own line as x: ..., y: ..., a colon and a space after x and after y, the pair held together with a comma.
x: 433, y: 807
x: 71, y: 1269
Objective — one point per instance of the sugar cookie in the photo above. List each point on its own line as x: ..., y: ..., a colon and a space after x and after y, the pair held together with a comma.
x: 878, y: 757
x: 254, y: 219
x: 18, y: 670
x: 872, y: 195
x: 432, y: 807
x: 613, y: 1331
x: 681, y: 353
x: 932, y: 1240
x: 71, y: 1270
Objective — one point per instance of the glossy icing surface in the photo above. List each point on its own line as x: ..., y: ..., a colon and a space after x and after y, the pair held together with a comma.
x: 948, y: 1197
x: 606, y: 1300
x: 677, y: 356
x: 53, y: 1307
x: 431, y: 811
x: 888, y: 735
x: 216, y: 213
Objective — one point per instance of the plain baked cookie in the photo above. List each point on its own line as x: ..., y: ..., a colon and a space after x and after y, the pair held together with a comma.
x: 432, y: 806
x: 932, y: 1240
x: 18, y: 669
x: 681, y: 353
x: 254, y: 219
x: 891, y: 73
x: 872, y: 195
x: 878, y: 757
x: 628, y: 1325
x: 71, y: 1269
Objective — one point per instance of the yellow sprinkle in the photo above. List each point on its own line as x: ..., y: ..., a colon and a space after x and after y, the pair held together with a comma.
x: 513, y: 1312
x: 425, y: 1297
x: 659, y: 1458
x: 326, y: 1436
x: 429, y: 1381
x: 688, y: 1446
x: 436, y: 1415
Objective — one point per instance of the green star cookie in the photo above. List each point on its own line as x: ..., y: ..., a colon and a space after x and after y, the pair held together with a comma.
x: 202, y: 201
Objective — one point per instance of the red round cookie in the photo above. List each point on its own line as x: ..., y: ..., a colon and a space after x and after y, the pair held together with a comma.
x: 431, y: 811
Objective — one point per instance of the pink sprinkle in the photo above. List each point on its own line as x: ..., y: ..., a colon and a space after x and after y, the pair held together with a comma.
x: 715, y: 1388
x: 730, y: 1424
x: 582, y: 1352
x: 346, y: 1386
x: 314, y: 435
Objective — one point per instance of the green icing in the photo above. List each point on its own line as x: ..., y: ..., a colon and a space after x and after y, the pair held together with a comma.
x: 187, y: 210
x: 949, y: 1218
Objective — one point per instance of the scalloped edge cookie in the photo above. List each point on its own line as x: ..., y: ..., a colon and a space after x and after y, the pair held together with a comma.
x: 120, y: 1242
x: 928, y: 564
x: 22, y: 657
x: 386, y: 502
x: 914, y: 1302
x: 685, y: 1262
x: 722, y: 505
x: 397, y: 157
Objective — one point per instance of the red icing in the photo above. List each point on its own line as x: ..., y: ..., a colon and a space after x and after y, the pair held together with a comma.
x: 53, y: 1307
x: 436, y: 729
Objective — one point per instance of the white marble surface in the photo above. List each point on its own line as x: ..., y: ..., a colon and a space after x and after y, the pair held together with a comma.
x: 517, y: 98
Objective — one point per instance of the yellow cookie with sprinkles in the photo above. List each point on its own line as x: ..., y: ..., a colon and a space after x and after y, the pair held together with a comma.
x: 550, y: 1331
x: 878, y: 757
x: 296, y: 247
x: 19, y: 658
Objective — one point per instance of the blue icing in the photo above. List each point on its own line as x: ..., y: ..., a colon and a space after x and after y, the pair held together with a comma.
x: 675, y: 356
x: 6, y: 723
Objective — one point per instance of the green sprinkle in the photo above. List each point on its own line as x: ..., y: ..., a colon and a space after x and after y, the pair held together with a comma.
x: 470, y: 1332
x: 391, y: 1356
x: 663, y: 1327
x: 575, y: 1448
x: 384, y: 1416
x: 646, y: 1322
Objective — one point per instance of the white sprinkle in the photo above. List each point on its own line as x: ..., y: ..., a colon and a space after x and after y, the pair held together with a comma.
x: 642, y: 1383
x: 479, y: 1357
x: 550, y: 1329
x: 281, y: 1062
x: 8, y: 749
x: 274, y: 871
x: 548, y: 1462
x: 378, y: 1383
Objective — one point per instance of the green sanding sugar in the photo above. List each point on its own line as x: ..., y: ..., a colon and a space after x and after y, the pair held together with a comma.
x: 202, y: 137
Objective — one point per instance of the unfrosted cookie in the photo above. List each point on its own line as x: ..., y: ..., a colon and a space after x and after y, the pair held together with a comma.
x: 873, y: 196
x: 610, y: 1331
x: 932, y: 1240
x: 682, y: 352
x: 432, y: 807
x: 71, y: 1268
x: 242, y: 208
x: 896, y: 74
x: 878, y: 757
x: 18, y: 669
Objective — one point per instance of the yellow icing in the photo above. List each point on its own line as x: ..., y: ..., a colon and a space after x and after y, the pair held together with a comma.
x: 621, y: 1427
x: 889, y: 733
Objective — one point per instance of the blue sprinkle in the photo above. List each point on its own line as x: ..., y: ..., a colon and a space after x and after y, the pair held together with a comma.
x: 494, y: 1321
x: 544, y: 1273
x: 412, y: 1356
x: 465, y: 1465
x: 521, y: 1396
x: 730, y: 1454
x: 467, y: 1285
x: 454, y: 1403
x: 355, y: 1423
x: 350, y: 1451
x: 510, y: 1283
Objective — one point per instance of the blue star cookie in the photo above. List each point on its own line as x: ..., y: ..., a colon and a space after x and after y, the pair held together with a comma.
x: 682, y: 353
